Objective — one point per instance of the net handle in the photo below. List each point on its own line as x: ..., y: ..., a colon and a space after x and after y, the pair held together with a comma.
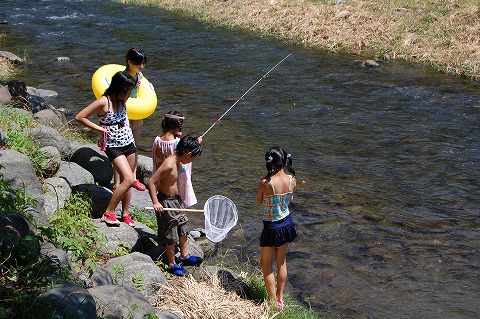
x: 178, y: 209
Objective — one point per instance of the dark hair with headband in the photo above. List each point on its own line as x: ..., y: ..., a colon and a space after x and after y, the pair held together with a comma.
x: 276, y: 159
x: 172, y: 120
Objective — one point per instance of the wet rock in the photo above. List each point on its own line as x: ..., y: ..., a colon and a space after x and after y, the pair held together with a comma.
x: 5, y: 95
x: 11, y: 57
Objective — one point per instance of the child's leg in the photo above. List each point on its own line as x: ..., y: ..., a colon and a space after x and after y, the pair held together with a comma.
x: 170, y: 253
x: 122, y: 165
x: 136, y: 137
x: 266, y: 257
x: 183, y: 246
x: 116, y: 179
x: 281, y: 262
x: 127, y: 198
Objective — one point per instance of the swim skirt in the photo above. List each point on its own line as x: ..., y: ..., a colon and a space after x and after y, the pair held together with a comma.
x: 278, y: 233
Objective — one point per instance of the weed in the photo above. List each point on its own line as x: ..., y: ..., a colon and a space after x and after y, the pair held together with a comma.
x: 138, y: 282
x: 73, y: 230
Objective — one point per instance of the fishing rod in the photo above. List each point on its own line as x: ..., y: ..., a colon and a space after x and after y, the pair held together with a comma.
x: 240, y: 98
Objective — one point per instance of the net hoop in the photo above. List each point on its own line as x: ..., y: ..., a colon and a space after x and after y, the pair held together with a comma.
x: 220, y: 217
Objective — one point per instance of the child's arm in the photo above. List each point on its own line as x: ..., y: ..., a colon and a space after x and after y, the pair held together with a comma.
x: 97, y: 106
x: 163, y: 171
x: 260, y: 191
x: 294, y: 186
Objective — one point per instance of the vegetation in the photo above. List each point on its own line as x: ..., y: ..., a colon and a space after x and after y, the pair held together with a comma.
x: 13, y: 121
x: 22, y: 277
x: 441, y: 33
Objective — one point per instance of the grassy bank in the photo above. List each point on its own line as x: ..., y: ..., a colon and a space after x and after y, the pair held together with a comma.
x: 441, y: 33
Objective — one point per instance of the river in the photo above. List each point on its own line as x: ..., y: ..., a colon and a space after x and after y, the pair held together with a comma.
x: 388, y: 217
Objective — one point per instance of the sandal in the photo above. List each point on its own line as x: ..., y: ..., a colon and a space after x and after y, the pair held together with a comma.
x: 190, y: 260
x: 280, y: 304
x: 177, y: 270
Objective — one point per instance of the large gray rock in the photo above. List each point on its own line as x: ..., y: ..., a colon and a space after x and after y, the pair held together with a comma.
x: 114, y: 302
x: 71, y: 301
x: 144, y: 168
x: 19, y: 172
x: 11, y: 57
x: 5, y: 95
x: 47, y: 136
x: 138, y: 271
x: 51, y: 163
x: 117, y: 236
x: 59, y: 258
x: 94, y: 162
x: 74, y: 174
x: 50, y: 117
x: 57, y: 191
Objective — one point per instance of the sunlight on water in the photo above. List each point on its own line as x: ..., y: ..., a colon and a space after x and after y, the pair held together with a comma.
x: 388, y: 218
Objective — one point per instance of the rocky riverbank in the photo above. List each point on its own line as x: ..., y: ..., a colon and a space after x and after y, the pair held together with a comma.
x: 127, y: 281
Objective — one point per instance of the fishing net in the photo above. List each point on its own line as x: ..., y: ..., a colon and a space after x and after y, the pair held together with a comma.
x: 220, y: 217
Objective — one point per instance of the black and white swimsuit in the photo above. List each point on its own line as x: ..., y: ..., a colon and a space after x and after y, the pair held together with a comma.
x: 119, y: 133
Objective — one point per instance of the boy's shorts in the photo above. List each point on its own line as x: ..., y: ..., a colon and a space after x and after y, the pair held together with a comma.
x: 171, y: 224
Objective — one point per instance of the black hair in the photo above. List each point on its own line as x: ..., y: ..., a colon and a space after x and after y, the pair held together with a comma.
x: 276, y: 159
x: 136, y: 56
x: 189, y: 143
x: 169, y: 124
x: 121, y: 83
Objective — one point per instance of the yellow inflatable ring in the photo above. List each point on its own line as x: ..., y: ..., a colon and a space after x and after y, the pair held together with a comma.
x: 139, y: 107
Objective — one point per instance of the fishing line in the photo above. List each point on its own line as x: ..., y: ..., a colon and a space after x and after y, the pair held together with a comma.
x: 240, y: 98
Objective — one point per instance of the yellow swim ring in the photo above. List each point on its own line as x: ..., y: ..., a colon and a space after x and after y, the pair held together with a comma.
x: 139, y: 107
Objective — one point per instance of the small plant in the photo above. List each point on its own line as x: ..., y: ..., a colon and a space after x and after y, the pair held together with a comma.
x: 138, y: 282
x: 122, y: 250
x: 13, y: 122
x: 73, y: 230
x: 118, y: 272
x: 145, y: 218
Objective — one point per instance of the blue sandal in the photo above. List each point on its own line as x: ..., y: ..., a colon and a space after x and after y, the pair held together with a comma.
x: 177, y: 270
x: 190, y: 260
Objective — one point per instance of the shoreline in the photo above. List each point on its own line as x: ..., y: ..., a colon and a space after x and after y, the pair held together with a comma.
x: 442, y: 35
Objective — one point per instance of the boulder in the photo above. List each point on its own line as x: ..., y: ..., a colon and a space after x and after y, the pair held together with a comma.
x: 137, y: 271
x: 50, y: 117
x: 19, y: 172
x: 14, y: 229
x: 71, y: 301
x: 99, y: 196
x: 47, y: 136
x: 115, y: 302
x: 57, y: 191
x: 74, y: 174
x: 5, y: 96
x: 51, y: 163
x: 97, y: 164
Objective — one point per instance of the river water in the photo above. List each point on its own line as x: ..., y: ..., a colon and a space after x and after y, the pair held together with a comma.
x: 388, y: 217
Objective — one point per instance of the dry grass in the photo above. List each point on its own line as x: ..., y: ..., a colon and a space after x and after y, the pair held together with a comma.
x: 442, y: 33
x: 206, y: 300
x: 7, y: 69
